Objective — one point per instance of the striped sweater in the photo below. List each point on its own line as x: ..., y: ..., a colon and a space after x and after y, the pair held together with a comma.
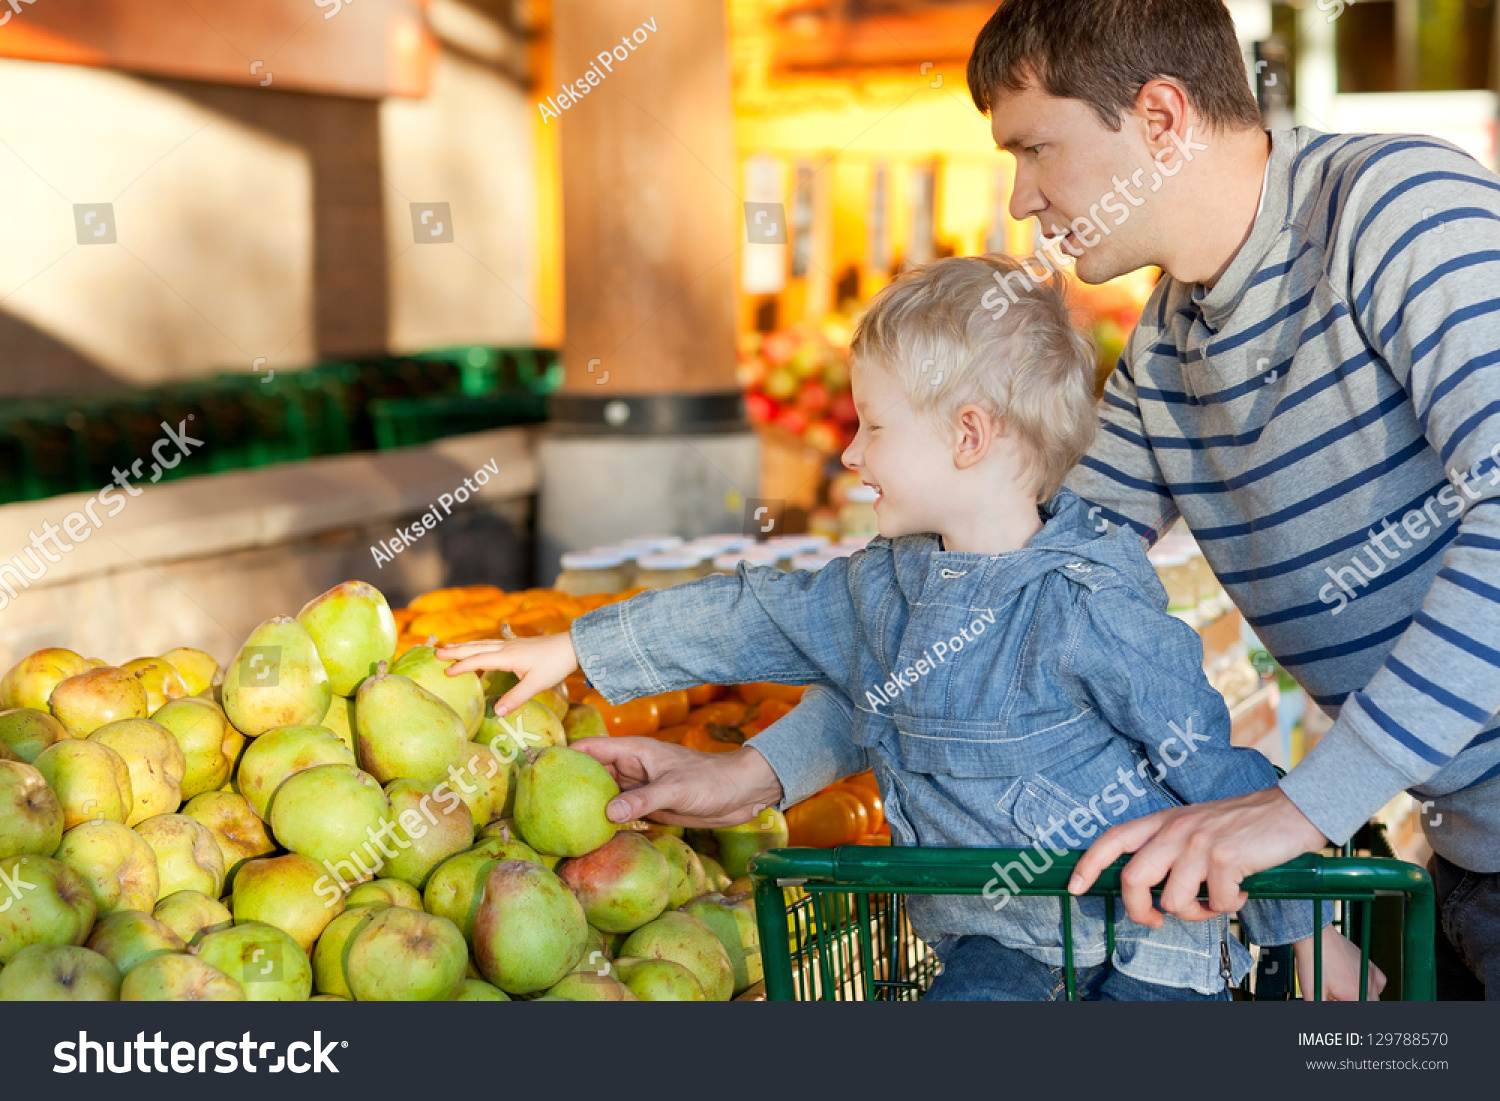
x: 1326, y: 419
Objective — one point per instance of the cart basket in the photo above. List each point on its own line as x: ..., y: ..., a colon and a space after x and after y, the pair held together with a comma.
x: 833, y: 923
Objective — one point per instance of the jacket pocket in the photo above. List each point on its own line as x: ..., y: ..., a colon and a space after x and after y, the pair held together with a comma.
x: 972, y: 750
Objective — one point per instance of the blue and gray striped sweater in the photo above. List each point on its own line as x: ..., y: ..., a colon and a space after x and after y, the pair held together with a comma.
x: 1326, y: 418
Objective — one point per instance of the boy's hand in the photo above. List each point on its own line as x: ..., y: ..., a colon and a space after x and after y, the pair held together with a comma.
x: 1340, y: 969
x: 683, y: 787
x: 540, y: 662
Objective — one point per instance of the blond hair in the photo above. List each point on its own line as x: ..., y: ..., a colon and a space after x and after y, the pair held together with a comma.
x: 984, y: 330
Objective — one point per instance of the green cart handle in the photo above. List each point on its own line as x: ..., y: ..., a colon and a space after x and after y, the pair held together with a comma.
x: 965, y: 871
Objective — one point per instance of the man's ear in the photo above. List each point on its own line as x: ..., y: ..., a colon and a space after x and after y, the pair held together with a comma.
x: 975, y: 433
x: 1162, y: 108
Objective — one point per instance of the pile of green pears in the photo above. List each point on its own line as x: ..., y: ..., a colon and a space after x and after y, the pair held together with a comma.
x: 364, y: 820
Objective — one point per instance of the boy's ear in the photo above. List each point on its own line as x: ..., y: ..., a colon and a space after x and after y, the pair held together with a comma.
x: 975, y: 432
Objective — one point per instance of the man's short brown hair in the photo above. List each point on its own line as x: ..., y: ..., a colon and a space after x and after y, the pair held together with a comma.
x: 1104, y: 51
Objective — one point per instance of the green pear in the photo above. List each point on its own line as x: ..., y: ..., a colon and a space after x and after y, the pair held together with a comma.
x: 403, y: 955
x: 482, y: 780
x: 688, y: 877
x: 238, y: 832
x: 59, y: 973
x: 90, y: 780
x: 340, y: 720
x: 329, y: 953
x: 554, y: 700
x: 432, y: 824
x: 405, y: 732
x: 529, y: 930
x: 718, y: 878
x: 284, y: 891
x: 155, y: 762
x: 737, y: 844
x: 85, y: 702
x: 30, y: 682
x: 31, y: 818
x: 57, y: 906
x: 189, y: 913
x: 199, y: 671
x: 276, y: 679
x: 733, y: 922
x: 384, y: 892
x: 622, y: 884
x: 337, y: 816
x: 268, y: 964
x: 477, y: 990
x: 179, y: 977
x: 456, y: 887
x: 687, y: 940
x: 117, y: 863
x: 588, y: 986
x: 203, y: 732
x: 187, y: 856
x: 463, y: 693
x: 583, y: 720
x: 128, y: 938
x: 502, y: 845
x: 281, y: 753
x: 660, y: 980
x: 560, y: 802
x: 28, y: 731
x: 353, y: 629
x: 159, y: 679
x: 530, y: 726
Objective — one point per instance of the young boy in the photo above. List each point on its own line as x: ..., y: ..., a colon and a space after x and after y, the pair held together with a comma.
x: 1015, y: 678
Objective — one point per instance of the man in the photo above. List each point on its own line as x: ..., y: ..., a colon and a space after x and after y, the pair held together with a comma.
x: 1314, y: 387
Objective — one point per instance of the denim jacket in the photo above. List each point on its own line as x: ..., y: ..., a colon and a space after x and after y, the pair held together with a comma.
x: 1022, y: 700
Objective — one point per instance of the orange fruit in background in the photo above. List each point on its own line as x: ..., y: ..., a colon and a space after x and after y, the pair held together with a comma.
x: 706, y: 693
x: 864, y: 779
x: 476, y: 594
x: 439, y: 600
x: 595, y: 600
x: 723, y: 712
x: 766, y: 713
x: 638, y: 718
x: 712, y: 738
x: 826, y: 819
x: 403, y: 616
x: 871, y: 799
x: 577, y: 685
x: 673, y: 734
x: 874, y: 839
x: 765, y: 690
x: 673, y: 707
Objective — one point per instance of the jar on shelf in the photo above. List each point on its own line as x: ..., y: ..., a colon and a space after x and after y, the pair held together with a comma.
x: 652, y: 544
x: 662, y: 571
x: 858, y: 516
x: 629, y: 554
x: 585, y: 573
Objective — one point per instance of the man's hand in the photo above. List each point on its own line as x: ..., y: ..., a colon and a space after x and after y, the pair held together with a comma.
x: 683, y: 787
x: 1217, y: 843
x: 539, y: 662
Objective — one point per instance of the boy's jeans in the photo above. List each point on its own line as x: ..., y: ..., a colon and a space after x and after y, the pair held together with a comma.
x: 981, y: 969
x: 1468, y: 936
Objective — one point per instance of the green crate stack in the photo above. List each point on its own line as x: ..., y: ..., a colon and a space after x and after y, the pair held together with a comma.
x: 74, y: 443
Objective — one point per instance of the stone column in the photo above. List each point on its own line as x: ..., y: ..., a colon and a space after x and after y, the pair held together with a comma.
x: 648, y: 433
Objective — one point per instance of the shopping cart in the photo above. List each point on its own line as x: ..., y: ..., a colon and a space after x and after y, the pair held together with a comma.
x: 833, y: 923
